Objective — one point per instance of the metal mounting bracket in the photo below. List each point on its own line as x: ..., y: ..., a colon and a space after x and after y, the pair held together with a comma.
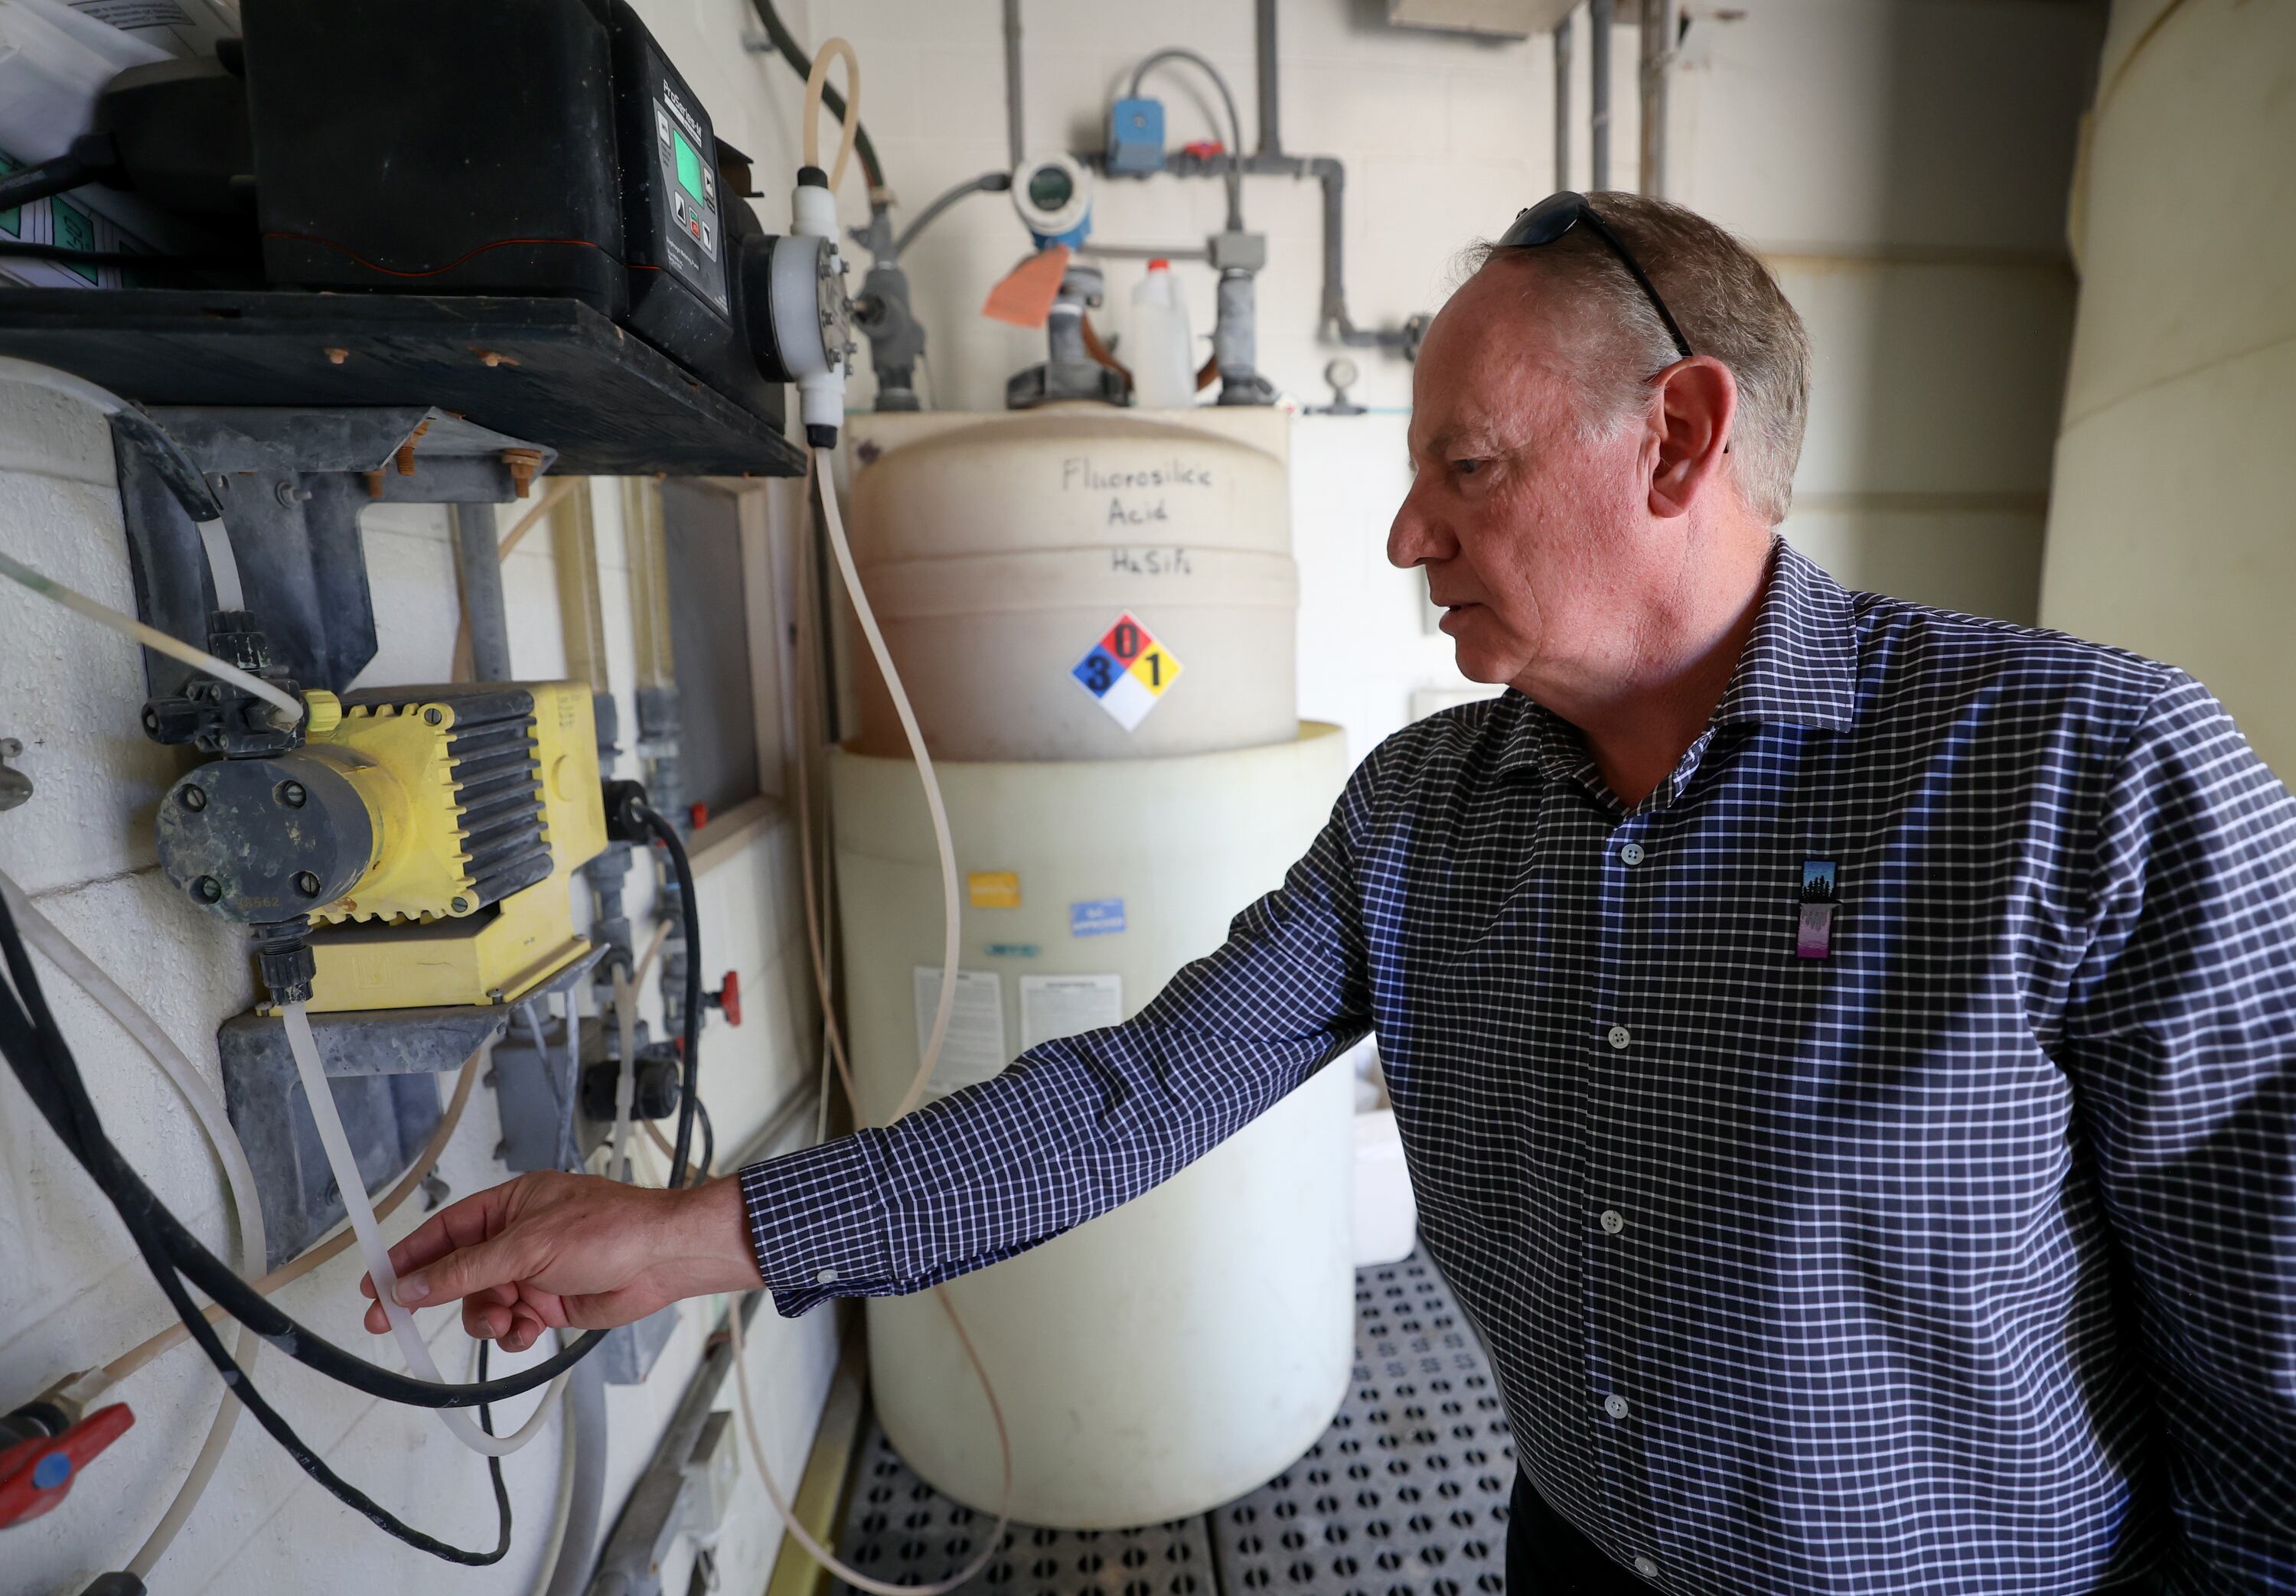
x: 383, y: 1065
x: 292, y: 483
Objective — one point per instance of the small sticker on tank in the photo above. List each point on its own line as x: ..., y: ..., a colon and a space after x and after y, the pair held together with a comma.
x: 1101, y: 917
x: 1128, y: 672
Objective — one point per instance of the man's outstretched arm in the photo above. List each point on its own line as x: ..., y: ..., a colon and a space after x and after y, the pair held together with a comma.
x: 1073, y: 1129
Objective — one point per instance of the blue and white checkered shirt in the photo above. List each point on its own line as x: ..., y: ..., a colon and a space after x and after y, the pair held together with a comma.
x: 1961, y: 1258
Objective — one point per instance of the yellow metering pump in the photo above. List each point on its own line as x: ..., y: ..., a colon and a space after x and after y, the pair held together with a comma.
x: 414, y: 851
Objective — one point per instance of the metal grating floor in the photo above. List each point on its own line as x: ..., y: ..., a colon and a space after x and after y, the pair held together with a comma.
x: 1405, y: 1495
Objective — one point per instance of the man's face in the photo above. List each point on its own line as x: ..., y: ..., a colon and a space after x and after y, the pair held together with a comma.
x: 1524, y: 522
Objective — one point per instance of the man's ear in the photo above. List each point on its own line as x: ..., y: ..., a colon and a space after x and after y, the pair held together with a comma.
x: 1697, y: 404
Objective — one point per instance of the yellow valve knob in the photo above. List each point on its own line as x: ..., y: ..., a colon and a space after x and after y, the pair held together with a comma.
x: 323, y: 712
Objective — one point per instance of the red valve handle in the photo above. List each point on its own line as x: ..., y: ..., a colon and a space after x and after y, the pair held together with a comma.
x: 37, y: 1474
x: 727, y: 999
x: 698, y: 813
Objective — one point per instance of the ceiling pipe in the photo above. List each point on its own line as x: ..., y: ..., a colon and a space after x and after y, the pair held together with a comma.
x: 1562, y: 105
x: 1657, y: 30
x: 1271, y: 138
x: 1599, y: 15
x: 1016, y: 142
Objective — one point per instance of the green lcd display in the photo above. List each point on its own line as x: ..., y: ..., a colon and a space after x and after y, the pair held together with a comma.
x: 689, y: 165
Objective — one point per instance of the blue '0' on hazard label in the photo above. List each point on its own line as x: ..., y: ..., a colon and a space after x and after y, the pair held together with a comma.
x: 1099, y: 918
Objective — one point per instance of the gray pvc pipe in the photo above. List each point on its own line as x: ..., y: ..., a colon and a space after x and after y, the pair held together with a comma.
x: 1598, y: 59
x: 478, y: 556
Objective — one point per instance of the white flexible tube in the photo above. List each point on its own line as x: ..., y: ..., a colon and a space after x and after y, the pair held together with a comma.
x: 834, y: 1048
x: 344, y: 1167
x: 849, y: 129
x: 562, y: 1506
x: 626, y: 1079
x: 950, y: 927
x: 290, y: 711
x: 991, y: 1548
x: 626, y: 1021
x: 223, y: 566
x: 61, y: 951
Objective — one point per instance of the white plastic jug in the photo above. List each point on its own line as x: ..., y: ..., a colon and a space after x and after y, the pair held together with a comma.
x: 1160, y: 351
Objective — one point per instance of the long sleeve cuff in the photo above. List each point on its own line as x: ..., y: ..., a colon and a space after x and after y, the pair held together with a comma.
x: 818, y: 1224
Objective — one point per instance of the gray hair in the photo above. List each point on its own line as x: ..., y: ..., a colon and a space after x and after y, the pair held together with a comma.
x: 1729, y: 307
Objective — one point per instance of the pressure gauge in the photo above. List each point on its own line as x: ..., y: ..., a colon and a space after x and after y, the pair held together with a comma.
x: 1053, y: 195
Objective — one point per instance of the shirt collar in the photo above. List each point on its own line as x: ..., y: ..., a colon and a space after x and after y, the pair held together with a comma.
x: 1799, y: 667
x: 1799, y: 664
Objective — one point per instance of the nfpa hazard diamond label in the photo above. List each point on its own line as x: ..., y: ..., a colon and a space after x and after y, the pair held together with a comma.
x: 1128, y: 672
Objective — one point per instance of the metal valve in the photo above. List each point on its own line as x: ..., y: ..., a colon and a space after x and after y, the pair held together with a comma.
x: 37, y: 1474
x: 727, y: 999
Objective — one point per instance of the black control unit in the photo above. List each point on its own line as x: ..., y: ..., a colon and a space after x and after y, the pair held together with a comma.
x: 510, y: 147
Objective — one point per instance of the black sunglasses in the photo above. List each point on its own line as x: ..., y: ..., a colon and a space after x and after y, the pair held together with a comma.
x: 1558, y: 214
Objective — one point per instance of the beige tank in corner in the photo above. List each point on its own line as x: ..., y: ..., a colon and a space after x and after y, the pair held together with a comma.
x: 2169, y: 527
x: 1077, y: 582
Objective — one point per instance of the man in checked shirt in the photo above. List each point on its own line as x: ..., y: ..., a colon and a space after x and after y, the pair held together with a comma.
x: 1846, y: 1051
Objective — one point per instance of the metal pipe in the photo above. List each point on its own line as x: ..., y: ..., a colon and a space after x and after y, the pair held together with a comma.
x: 987, y: 183
x: 1271, y: 137
x: 478, y: 559
x: 1562, y: 105
x: 1598, y: 63
x: 1332, y: 320
x: 1015, y: 140
x: 1657, y: 61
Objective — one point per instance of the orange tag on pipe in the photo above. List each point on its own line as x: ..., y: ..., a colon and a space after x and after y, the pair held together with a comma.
x: 1025, y: 297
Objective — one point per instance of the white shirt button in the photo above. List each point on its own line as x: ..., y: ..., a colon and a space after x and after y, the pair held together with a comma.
x: 1645, y: 1568
x: 1615, y: 1406
x: 827, y: 1277
x: 1620, y: 1037
x: 1632, y: 853
x: 1613, y: 1221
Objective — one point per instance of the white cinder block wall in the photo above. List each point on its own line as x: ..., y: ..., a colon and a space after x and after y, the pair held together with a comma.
x: 1903, y: 162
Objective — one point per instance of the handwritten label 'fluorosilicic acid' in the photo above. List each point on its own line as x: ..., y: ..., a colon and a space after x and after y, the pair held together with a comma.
x: 1135, y: 494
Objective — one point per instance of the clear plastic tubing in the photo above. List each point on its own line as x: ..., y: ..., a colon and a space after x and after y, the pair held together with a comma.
x: 372, y: 1248
x: 844, y: 569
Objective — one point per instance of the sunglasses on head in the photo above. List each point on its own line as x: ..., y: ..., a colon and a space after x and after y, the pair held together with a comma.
x: 1558, y: 214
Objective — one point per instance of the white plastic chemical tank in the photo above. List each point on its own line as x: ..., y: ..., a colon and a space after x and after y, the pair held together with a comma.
x: 1176, y: 1353
x: 2170, y: 530
x: 1004, y: 553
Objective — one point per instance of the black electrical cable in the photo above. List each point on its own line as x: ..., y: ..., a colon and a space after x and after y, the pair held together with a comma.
x: 36, y: 1054
x: 689, y: 1097
x: 709, y: 1138
x: 793, y: 53
x: 91, y: 155
x: 138, y: 1204
x: 1234, y: 122
x: 987, y: 183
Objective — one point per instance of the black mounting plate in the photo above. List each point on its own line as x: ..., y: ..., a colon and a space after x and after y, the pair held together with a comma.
x: 552, y: 370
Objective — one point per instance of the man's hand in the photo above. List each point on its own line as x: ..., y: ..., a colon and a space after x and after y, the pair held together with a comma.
x: 571, y: 1251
